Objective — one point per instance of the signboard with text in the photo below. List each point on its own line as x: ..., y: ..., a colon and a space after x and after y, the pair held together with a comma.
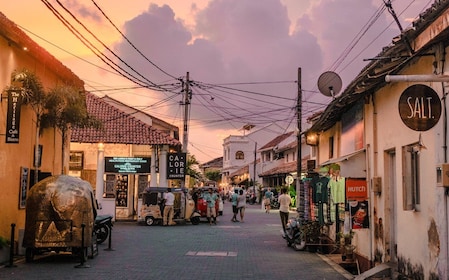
x: 127, y: 165
x: 419, y: 107
x: 176, y: 165
x: 356, y: 189
x: 13, y: 116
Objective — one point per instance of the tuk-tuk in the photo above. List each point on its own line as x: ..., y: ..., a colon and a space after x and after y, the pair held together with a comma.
x: 60, y: 216
x: 151, y: 211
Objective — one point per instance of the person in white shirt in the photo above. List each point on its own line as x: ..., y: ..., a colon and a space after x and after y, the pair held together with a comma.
x: 284, y: 207
x: 168, y: 208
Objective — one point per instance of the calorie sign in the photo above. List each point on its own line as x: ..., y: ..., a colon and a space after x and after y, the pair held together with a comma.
x: 176, y: 165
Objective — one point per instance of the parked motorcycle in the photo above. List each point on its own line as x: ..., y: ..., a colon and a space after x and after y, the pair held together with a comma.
x: 102, y: 227
x: 251, y: 198
x: 294, y: 235
x: 274, y: 204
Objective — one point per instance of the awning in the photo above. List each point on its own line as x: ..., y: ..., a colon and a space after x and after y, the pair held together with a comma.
x: 343, y: 158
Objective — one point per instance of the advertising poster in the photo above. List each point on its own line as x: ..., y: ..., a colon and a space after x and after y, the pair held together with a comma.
x: 359, y: 214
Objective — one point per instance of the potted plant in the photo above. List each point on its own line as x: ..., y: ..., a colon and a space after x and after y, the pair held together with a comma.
x: 347, y: 248
x: 312, y: 232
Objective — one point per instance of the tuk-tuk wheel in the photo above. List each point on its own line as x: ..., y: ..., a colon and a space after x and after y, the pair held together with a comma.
x: 195, y: 220
x: 29, y: 254
x: 150, y: 221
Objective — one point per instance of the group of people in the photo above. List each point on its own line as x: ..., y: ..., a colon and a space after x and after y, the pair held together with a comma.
x: 238, y: 200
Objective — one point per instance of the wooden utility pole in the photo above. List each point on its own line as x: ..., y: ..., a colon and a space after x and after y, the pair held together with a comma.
x: 299, y: 189
x: 185, y: 135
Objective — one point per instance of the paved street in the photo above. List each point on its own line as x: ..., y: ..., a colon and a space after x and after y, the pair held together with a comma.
x: 250, y: 250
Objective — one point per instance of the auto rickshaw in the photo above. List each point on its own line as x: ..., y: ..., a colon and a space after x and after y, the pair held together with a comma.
x: 60, y: 216
x: 151, y: 211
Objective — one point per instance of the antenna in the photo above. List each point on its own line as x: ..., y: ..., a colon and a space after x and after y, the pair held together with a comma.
x: 329, y: 83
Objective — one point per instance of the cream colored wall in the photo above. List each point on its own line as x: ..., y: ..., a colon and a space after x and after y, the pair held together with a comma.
x: 412, y: 226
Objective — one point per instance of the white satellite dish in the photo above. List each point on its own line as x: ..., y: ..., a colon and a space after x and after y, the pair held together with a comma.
x: 329, y: 83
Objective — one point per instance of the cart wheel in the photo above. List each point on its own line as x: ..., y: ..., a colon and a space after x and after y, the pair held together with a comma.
x: 29, y: 254
x: 195, y: 220
x: 149, y: 221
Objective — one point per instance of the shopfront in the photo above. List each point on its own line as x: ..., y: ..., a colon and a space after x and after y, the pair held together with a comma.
x: 125, y: 179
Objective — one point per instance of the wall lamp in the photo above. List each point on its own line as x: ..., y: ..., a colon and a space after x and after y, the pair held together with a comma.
x: 312, y: 139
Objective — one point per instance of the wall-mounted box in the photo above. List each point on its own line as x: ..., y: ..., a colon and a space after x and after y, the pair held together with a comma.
x: 443, y: 175
x: 377, y: 185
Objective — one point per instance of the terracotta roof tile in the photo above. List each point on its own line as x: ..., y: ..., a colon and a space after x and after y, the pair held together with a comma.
x: 118, y: 127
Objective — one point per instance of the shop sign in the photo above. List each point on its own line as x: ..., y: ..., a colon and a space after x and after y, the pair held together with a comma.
x: 356, y: 189
x: 127, y: 165
x: 13, y: 116
x: 176, y: 165
x: 420, y: 107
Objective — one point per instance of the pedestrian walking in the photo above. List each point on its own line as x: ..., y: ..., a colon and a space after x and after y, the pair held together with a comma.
x: 211, y: 212
x: 284, y: 207
x: 241, y: 204
x: 167, y: 218
x: 234, y: 201
x: 267, y: 200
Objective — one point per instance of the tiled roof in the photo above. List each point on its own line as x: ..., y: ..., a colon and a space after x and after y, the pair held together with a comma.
x: 241, y: 171
x: 285, y: 168
x: 118, y: 127
x: 276, y: 141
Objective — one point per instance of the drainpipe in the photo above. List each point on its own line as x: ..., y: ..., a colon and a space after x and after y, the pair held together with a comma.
x: 443, y: 99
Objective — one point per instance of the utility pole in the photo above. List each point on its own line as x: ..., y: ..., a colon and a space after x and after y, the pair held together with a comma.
x: 299, y: 189
x: 185, y: 138
x: 185, y: 135
x: 254, y: 168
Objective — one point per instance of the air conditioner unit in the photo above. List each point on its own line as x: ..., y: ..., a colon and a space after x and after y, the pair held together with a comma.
x: 443, y: 175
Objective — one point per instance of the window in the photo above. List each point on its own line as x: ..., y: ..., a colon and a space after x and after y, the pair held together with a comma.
x: 239, y: 155
x: 76, y: 160
x: 410, y: 172
x: 331, y: 147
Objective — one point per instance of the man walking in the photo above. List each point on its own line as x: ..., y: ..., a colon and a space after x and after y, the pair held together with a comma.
x: 168, y: 208
x: 284, y: 207
x: 234, y: 200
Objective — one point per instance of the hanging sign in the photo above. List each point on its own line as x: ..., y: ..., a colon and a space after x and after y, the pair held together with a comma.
x: 13, y: 116
x: 127, y: 165
x: 420, y: 107
x: 356, y: 189
x: 176, y: 165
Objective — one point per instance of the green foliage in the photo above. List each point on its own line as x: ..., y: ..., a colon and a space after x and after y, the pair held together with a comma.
x: 33, y: 91
x: 3, y: 242
x: 312, y: 231
x: 65, y: 107
x: 213, y: 175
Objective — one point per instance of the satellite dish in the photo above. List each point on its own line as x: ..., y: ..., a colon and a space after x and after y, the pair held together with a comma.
x: 329, y: 83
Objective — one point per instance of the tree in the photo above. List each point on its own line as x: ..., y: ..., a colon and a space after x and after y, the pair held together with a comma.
x: 61, y: 108
x: 33, y: 94
x: 64, y: 107
x: 213, y: 175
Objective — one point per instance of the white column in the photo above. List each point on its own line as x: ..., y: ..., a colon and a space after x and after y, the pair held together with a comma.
x: 163, y: 167
x: 153, y: 178
x: 99, y: 186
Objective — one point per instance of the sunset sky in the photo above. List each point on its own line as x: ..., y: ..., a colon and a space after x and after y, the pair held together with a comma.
x: 242, y: 55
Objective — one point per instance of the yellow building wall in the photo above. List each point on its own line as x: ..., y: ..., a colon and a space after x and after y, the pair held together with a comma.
x: 17, y: 155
